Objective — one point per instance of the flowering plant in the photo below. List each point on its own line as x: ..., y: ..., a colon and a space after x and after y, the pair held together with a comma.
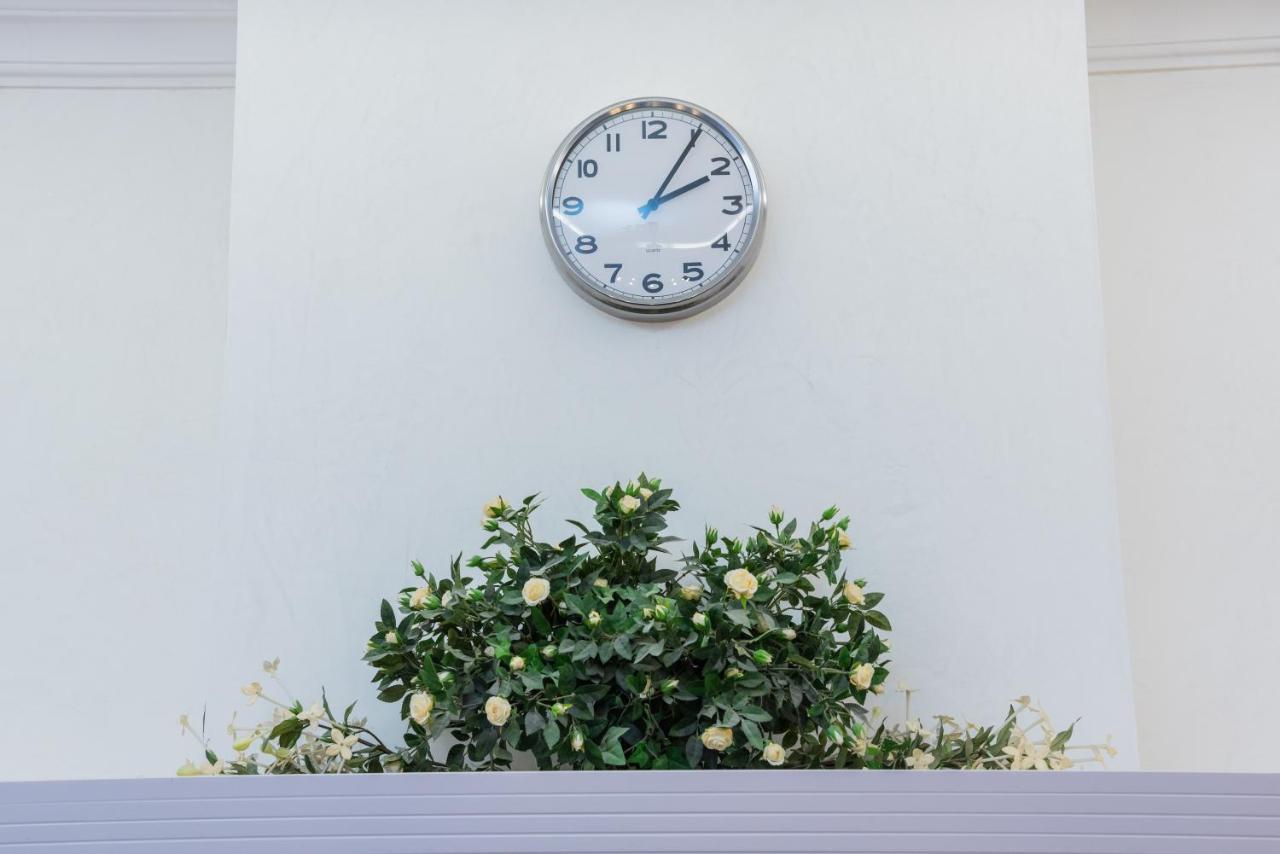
x: 592, y: 652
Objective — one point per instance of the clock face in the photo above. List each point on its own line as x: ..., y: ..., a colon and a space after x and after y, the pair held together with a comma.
x: 653, y: 209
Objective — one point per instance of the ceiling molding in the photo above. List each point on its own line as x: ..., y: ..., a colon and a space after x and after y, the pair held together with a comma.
x: 1184, y: 55
x: 118, y: 44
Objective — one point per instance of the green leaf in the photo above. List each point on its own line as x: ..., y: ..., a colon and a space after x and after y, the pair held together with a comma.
x: 534, y: 721
x: 693, y: 751
x: 752, y: 730
x: 551, y: 734
x: 429, y: 676
x: 388, y: 615
x: 612, y: 754
x: 880, y: 621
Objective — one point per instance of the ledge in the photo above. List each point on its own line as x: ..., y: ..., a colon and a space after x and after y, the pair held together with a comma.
x: 112, y: 44
x: 653, y: 811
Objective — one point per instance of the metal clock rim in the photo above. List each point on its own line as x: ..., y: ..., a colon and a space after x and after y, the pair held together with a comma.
x: 637, y: 311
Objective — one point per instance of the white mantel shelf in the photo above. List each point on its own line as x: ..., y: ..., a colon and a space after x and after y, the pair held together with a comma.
x: 637, y: 811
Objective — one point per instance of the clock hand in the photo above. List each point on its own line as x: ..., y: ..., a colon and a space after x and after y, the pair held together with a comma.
x: 652, y: 205
x: 662, y: 200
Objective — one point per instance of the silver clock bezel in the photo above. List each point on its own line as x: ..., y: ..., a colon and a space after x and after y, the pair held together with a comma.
x: 701, y: 299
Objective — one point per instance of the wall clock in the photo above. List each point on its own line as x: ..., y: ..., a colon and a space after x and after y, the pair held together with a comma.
x: 653, y: 209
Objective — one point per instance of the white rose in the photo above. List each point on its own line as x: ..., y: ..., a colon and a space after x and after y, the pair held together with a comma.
x: 420, y: 706
x: 628, y: 504
x: 494, y: 508
x: 878, y: 689
x: 497, y: 710
x: 789, y: 634
x: 774, y: 754
x: 535, y: 590
x: 390, y: 637
x: 862, y: 675
x: 575, y: 740
x: 645, y: 493
x: 419, y: 597
x: 517, y: 663
x: 699, y: 619
x: 853, y: 594
x: 593, y: 619
x: 741, y: 582
x: 843, y: 536
x: 717, y: 738
x: 691, y: 593
x: 601, y: 583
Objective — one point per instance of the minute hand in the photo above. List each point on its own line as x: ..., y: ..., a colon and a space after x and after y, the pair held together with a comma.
x: 652, y: 205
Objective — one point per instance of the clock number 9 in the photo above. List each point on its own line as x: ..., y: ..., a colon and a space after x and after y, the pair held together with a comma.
x: 586, y: 245
x: 652, y: 283
x: 572, y: 205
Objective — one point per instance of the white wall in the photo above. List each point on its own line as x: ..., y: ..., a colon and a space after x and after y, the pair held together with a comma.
x: 921, y: 339
x: 1188, y: 186
x: 113, y: 241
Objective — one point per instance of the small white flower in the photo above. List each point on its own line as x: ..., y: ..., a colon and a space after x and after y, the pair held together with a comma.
x: 213, y: 770
x: 1060, y: 761
x: 691, y: 592
x: 341, y: 744
x: 593, y: 619
x: 517, y: 663
x: 862, y: 675
x: 774, y: 754
x: 313, y: 714
x: 497, y: 710
x: 601, y: 583
x: 700, y: 619
x: 494, y: 508
x: 421, y: 705
x: 184, y: 722
x: 270, y: 667
x: 853, y: 594
x: 390, y: 638
x: 878, y: 689
x: 789, y: 634
x: 418, y: 598
x: 719, y: 738
x: 919, y: 760
x: 575, y: 741
x: 535, y: 590
x: 253, y: 691
x: 741, y: 582
x: 843, y: 537
x: 628, y: 504
x: 645, y: 492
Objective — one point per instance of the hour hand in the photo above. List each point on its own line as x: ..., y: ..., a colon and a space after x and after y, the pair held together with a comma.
x: 652, y: 205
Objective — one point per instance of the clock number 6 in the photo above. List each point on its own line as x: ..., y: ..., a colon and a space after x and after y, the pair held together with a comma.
x: 652, y: 283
